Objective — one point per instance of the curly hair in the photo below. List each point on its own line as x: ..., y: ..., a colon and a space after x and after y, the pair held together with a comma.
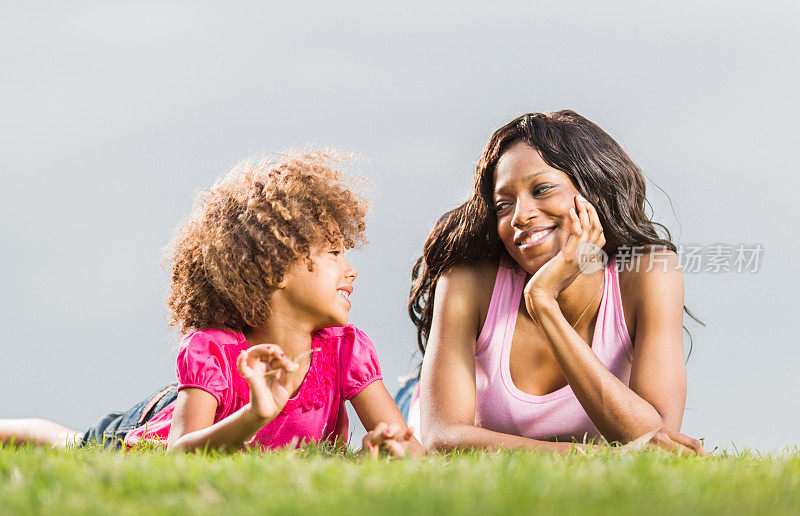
x: 249, y: 228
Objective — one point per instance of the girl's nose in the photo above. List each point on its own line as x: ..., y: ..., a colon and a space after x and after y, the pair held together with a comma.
x: 350, y: 271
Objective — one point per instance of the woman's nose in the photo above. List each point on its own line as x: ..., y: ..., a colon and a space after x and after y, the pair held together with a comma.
x: 524, y: 210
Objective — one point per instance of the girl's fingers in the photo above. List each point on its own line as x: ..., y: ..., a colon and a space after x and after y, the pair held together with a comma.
x: 395, y: 448
x: 241, y: 365
x: 376, y: 435
x: 372, y: 450
x: 271, y: 355
x: 392, y: 431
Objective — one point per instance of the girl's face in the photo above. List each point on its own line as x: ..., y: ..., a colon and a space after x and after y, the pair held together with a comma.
x: 321, y: 295
x: 532, y: 201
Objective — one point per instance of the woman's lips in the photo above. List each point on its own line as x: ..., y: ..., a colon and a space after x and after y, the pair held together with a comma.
x: 535, y: 239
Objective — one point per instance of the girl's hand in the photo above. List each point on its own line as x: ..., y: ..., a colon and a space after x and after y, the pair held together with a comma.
x: 665, y: 439
x: 561, y: 270
x: 266, y: 368
x: 387, y: 437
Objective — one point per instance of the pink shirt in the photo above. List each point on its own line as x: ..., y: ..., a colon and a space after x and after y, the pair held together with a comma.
x: 346, y: 363
x: 556, y: 416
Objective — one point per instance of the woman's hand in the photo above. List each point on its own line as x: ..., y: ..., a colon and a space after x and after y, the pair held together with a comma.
x: 665, y: 439
x: 266, y: 368
x: 387, y: 437
x: 584, y: 243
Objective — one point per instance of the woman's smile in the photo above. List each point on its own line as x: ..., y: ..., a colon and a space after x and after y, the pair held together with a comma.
x: 533, y: 237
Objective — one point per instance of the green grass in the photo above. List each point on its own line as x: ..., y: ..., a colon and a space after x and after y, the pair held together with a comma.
x: 316, y: 481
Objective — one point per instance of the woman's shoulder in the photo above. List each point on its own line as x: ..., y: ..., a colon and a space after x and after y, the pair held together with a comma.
x: 647, y: 274
x: 466, y: 292
x: 647, y: 264
x: 474, y: 279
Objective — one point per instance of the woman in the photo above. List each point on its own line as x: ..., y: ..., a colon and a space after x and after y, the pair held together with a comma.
x: 528, y: 342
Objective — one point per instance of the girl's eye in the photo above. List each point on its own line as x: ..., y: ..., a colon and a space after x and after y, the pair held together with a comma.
x: 335, y: 252
x: 500, y: 206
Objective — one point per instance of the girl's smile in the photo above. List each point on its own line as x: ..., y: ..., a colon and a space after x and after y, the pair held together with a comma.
x: 344, y: 293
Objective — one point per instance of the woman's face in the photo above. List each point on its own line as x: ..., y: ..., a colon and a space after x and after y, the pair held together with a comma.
x: 532, y: 201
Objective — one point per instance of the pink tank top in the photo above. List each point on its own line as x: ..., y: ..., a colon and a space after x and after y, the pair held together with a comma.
x: 500, y: 406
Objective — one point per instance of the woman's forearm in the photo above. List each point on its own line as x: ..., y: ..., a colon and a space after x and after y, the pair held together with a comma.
x: 458, y: 436
x: 228, y: 435
x: 619, y: 413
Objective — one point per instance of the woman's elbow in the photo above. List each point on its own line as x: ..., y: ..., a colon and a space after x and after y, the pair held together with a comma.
x: 441, y: 438
x: 177, y: 446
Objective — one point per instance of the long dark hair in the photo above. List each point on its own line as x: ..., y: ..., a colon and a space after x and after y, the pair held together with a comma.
x: 597, y: 166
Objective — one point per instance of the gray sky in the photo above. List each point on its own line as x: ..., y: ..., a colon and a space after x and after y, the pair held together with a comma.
x: 114, y: 113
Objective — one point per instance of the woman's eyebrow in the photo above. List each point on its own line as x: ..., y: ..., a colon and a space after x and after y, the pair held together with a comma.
x: 527, y: 179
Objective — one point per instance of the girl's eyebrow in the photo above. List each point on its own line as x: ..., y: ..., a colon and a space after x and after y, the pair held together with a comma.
x: 527, y: 179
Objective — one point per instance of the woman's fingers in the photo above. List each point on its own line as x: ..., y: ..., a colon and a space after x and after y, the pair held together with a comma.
x: 675, y: 442
x: 576, y: 222
x: 693, y: 445
x: 583, y: 215
x: 594, y: 220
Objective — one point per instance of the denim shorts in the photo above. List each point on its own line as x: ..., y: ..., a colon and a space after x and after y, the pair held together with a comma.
x: 111, y: 429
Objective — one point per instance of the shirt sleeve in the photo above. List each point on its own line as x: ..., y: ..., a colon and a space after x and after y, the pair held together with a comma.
x: 200, y: 365
x: 360, y: 365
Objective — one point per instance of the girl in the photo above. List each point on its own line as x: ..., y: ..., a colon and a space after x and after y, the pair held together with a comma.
x: 260, y: 288
x: 526, y: 343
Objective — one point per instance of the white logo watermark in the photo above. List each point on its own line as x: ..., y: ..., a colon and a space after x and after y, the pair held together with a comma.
x: 591, y: 258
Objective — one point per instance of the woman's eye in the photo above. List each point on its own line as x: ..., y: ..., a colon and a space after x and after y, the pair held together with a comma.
x: 542, y: 189
x: 335, y: 252
x: 500, y: 206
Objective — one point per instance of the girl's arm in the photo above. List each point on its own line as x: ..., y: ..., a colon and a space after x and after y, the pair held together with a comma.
x: 383, y: 421
x: 192, y: 427
x: 447, y: 395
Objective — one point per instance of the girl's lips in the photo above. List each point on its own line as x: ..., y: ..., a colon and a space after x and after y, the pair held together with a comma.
x: 524, y: 246
x: 344, y: 293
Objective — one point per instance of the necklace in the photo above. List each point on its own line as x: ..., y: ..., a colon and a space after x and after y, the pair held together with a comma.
x: 590, y: 302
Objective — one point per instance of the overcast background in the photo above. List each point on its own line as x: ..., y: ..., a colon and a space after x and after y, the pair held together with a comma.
x: 114, y: 114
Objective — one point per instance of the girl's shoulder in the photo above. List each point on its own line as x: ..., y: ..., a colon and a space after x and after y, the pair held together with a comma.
x: 358, y: 364
x: 211, y: 338
x: 342, y: 337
